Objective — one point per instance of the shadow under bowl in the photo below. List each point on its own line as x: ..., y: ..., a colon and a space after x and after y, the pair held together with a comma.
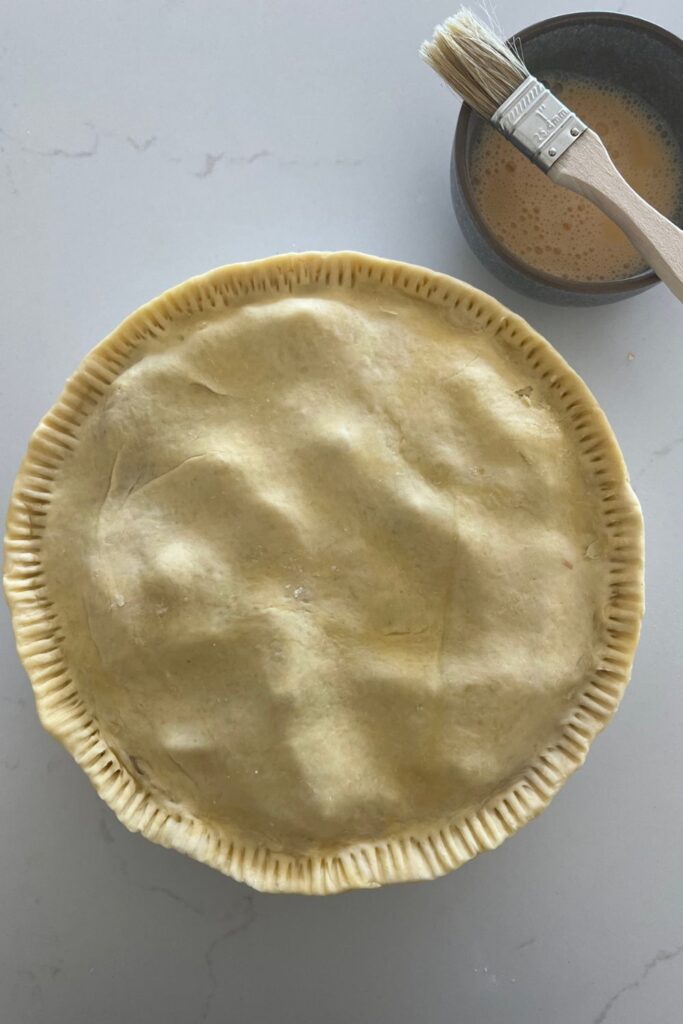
x: 626, y: 52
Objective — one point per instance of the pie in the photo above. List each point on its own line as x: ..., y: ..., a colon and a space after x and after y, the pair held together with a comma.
x: 326, y: 569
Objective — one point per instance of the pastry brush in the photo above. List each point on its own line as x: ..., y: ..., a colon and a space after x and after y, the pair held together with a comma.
x: 492, y: 79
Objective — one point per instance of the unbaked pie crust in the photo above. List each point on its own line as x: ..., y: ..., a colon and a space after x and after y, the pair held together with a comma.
x: 326, y: 570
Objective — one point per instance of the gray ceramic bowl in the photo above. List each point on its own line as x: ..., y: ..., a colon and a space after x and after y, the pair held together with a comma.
x: 625, y: 51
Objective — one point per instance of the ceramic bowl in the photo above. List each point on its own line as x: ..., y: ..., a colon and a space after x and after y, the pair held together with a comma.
x: 627, y: 52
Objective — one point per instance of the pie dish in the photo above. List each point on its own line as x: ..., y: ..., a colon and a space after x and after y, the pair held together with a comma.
x: 326, y: 569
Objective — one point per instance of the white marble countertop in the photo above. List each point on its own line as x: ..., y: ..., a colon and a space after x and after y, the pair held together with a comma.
x: 145, y: 142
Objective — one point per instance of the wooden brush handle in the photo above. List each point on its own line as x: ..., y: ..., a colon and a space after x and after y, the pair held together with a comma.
x: 586, y: 168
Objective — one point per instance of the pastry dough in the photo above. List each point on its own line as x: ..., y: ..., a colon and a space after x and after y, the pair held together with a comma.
x: 326, y: 569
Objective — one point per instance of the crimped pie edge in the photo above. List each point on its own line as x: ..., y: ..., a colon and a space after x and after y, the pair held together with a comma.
x: 418, y: 854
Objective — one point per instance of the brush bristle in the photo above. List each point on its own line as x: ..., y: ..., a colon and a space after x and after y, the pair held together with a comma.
x: 475, y: 62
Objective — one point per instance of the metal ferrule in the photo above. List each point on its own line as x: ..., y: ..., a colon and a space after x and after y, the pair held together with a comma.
x: 537, y: 123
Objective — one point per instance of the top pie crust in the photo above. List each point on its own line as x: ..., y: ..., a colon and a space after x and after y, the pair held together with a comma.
x: 327, y: 571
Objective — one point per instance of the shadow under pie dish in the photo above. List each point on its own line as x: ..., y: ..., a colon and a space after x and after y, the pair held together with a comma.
x: 326, y: 570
